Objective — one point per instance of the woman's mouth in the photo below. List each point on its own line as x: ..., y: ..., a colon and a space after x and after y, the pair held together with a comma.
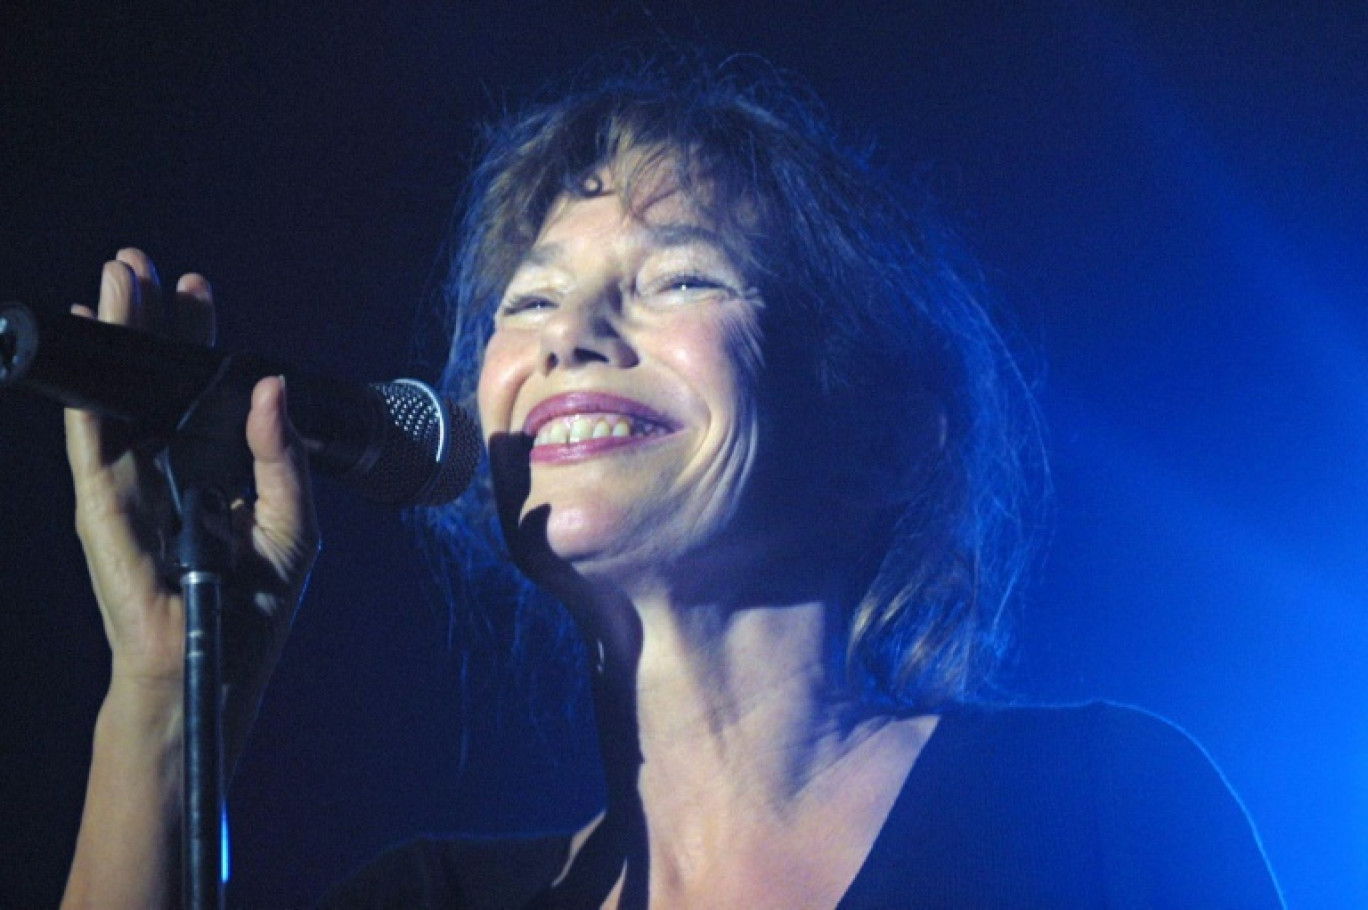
x: 579, y: 424
x: 582, y: 427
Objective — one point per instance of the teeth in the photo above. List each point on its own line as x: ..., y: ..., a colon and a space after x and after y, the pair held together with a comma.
x: 582, y: 427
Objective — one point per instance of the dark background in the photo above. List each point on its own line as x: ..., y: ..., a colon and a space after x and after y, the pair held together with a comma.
x: 1169, y: 198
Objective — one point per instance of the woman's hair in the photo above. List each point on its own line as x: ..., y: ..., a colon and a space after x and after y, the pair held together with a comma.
x: 864, y: 303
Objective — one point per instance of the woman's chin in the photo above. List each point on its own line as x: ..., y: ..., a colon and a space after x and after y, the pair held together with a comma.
x: 602, y: 554
x: 569, y: 536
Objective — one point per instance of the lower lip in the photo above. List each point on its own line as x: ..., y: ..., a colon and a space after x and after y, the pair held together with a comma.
x: 565, y: 452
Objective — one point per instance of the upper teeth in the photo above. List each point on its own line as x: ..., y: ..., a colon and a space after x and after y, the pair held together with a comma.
x: 579, y: 427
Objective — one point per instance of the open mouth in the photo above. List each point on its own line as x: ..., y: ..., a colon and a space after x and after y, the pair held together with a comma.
x: 583, y: 427
x: 591, y: 421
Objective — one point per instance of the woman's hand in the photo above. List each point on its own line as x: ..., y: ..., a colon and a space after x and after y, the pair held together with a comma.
x: 123, y: 505
x: 127, y: 848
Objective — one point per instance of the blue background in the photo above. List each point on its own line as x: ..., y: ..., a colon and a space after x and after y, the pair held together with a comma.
x: 1169, y: 201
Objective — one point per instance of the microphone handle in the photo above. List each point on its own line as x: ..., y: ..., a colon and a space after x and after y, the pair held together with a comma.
x: 152, y: 382
x: 112, y: 370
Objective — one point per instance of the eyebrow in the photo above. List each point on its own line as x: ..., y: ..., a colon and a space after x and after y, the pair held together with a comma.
x: 665, y: 235
x: 684, y: 234
x: 542, y: 254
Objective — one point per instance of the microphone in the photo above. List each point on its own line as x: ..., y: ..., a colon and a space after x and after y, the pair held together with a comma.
x: 396, y: 442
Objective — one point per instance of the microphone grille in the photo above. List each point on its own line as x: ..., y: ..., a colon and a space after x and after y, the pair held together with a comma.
x: 429, y: 452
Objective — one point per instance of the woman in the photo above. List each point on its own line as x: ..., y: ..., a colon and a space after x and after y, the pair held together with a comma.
x: 746, y: 424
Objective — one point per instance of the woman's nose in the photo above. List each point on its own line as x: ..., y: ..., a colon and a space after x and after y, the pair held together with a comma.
x: 586, y: 331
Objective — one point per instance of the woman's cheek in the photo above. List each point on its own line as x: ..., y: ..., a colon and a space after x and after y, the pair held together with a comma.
x: 498, y: 385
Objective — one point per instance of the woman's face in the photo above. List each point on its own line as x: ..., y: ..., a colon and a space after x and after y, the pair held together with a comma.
x: 626, y: 351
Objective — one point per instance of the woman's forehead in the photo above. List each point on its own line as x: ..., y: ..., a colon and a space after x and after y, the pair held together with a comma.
x: 661, y: 193
x: 657, y: 207
x: 670, y: 215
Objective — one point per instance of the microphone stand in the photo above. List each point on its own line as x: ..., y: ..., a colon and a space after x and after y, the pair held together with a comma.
x: 208, y: 466
x: 401, y: 426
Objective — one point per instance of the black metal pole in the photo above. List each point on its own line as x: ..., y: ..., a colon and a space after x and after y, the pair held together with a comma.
x: 207, y: 466
x: 202, y: 588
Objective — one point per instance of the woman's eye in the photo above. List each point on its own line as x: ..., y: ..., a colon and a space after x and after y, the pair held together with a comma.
x: 693, y: 283
x: 523, y: 304
x: 688, y: 287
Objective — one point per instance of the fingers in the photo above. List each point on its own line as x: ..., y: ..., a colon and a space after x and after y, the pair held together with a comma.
x: 130, y: 293
x: 82, y: 427
x: 125, y: 283
x: 286, y: 528
x: 192, y: 318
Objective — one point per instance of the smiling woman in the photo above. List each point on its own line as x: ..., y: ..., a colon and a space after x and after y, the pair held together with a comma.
x: 750, y: 425
x: 757, y: 440
x: 640, y: 319
x: 734, y: 194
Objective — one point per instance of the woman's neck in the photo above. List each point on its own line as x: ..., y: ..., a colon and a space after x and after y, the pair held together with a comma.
x: 744, y: 738
x: 742, y: 700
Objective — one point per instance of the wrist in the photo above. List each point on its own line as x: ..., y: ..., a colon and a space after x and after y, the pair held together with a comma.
x: 127, y: 847
x: 150, y: 710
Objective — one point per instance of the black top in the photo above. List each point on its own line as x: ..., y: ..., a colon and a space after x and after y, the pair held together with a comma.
x: 1095, y: 806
